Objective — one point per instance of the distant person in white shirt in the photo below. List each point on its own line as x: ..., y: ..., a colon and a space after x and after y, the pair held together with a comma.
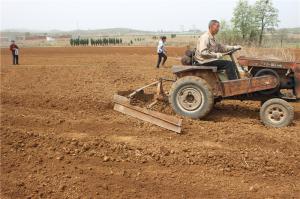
x: 161, y: 51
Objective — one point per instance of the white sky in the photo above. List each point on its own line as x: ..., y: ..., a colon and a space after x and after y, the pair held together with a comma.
x: 139, y: 14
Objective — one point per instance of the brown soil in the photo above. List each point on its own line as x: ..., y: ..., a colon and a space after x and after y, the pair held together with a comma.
x: 60, y: 137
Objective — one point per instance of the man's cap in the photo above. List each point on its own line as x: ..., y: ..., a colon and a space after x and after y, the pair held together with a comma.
x: 12, y: 40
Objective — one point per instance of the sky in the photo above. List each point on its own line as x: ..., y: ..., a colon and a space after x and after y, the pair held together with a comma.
x: 152, y: 15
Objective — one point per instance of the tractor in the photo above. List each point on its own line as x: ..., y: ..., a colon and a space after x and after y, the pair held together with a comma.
x: 197, y: 88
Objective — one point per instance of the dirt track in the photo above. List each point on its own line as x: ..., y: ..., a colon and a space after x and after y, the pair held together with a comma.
x: 60, y: 137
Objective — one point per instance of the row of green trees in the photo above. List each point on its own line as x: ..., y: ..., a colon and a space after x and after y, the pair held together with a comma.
x: 106, y: 41
x: 79, y: 42
x: 96, y: 42
x: 250, y: 22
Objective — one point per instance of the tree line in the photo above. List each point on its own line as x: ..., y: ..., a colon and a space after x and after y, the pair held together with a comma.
x: 250, y: 22
x: 106, y: 41
x: 139, y: 39
x: 79, y: 42
x: 95, y: 42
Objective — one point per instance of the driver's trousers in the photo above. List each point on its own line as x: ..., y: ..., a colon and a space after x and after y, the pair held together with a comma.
x: 226, y: 65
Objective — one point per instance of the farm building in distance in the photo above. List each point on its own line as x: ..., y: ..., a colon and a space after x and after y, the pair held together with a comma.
x: 30, y: 39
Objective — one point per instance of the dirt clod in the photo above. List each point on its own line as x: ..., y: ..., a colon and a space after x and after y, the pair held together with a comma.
x: 254, y: 188
x: 106, y: 158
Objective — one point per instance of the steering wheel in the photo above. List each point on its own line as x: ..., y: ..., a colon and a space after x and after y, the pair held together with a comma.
x: 232, y: 51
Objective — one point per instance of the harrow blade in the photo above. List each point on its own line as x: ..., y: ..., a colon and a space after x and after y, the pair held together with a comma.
x: 122, y: 104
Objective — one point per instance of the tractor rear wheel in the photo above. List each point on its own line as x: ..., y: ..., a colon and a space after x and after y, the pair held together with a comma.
x: 192, y: 97
x: 276, y: 113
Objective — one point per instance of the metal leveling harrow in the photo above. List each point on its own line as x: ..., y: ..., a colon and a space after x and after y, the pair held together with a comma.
x: 196, y: 88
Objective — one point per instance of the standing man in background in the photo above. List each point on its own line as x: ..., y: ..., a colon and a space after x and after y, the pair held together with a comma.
x: 15, y: 52
x: 161, y: 51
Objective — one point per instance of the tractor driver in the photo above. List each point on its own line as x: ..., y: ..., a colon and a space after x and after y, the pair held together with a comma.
x: 209, y: 52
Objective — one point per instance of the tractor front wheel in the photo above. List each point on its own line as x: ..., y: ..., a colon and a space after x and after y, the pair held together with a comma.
x: 192, y: 97
x: 276, y: 113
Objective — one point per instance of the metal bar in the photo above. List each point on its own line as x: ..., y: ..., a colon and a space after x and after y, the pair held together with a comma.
x: 235, y: 66
x: 142, y: 88
x: 169, y: 80
x: 152, y: 104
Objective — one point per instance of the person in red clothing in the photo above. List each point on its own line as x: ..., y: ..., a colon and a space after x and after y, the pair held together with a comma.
x: 15, y: 52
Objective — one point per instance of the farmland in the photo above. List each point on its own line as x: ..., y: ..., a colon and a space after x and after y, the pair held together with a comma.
x: 60, y: 137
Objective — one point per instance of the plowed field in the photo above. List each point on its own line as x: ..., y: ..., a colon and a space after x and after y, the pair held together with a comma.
x: 60, y: 137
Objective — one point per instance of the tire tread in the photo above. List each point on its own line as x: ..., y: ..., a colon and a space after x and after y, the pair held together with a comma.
x: 281, y: 102
x: 199, y: 81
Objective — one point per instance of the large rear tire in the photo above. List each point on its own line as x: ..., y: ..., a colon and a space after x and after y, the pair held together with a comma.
x: 276, y: 113
x: 267, y: 71
x: 192, y: 97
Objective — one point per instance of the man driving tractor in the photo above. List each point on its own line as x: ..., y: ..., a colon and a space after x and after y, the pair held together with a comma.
x: 209, y: 52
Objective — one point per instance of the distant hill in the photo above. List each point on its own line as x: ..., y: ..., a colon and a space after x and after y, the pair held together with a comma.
x: 107, y: 31
x: 111, y: 31
x: 291, y: 30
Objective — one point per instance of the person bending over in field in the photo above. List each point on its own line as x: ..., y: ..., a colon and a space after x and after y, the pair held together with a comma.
x: 15, y: 52
x: 209, y: 52
x: 161, y: 51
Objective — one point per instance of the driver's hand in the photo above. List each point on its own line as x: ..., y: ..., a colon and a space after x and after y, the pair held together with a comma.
x: 219, y: 55
x: 237, y: 47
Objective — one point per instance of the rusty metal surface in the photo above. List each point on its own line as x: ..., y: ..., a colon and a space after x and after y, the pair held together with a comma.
x: 278, y: 64
x: 248, y: 85
x: 296, y: 70
x: 269, y: 63
x: 159, y: 119
x: 179, y: 69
